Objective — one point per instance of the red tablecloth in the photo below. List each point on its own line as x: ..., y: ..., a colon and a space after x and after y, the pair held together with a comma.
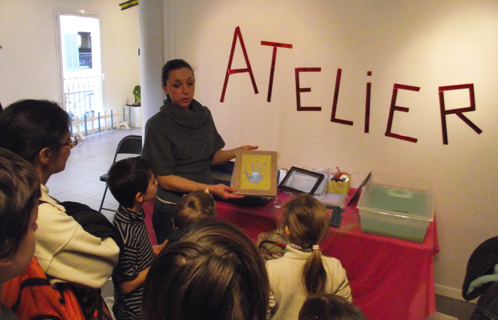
x: 391, y: 279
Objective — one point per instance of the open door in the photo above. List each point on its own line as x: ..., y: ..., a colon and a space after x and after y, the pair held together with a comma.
x: 81, y: 65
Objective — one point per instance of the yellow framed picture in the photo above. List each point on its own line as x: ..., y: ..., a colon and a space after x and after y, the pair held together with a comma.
x: 255, y: 173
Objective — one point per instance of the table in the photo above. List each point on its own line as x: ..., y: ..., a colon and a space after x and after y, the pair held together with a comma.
x: 390, y: 278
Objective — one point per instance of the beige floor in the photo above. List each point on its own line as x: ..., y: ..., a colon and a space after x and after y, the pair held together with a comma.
x: 93, y: 157
x: 88, y: 161
x: 440, y: 316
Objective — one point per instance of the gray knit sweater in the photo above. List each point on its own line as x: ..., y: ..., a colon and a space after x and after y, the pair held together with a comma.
x: 181, y: 143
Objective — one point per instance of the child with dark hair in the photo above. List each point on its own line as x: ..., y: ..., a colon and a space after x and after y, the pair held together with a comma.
x: 132, y: 183
x: 330, y: 307
x: 192, y: 208
x: 303, y: 271
x: 19, y: 196
x: 213, y: 272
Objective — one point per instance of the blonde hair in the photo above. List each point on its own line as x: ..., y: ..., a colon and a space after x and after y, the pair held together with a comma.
x: 307, y: 221
x: 192, y: 208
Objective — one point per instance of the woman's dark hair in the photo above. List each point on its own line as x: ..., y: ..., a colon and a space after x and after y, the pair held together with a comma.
x: 128, y: 177
x: 27, y: 126
x: 308, y: 224
x: 330, y: 307
x: 192, y: 208
x: 213, y: 272
x: 19, y: 192
x: 173, y: 65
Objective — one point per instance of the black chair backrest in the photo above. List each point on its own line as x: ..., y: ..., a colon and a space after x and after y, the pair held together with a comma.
x: 131, y: 144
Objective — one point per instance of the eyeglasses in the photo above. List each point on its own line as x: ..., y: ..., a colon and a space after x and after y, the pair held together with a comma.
x: 71, y: 142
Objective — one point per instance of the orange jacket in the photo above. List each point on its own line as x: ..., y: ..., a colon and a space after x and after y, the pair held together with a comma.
x: 30, y: 296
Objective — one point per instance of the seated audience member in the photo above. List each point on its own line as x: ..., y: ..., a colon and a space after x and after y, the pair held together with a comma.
x: 329, y: 307
x: 193, y: 207
x: 71, y: 256
x: 303, y: 270
x: 213, y: 272
x: 481, y: 279
x: 19, y: 194
x: 131, y: 182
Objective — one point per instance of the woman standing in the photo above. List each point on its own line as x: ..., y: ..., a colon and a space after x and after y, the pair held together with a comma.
x: 37, y: 130
x: 181, y: 142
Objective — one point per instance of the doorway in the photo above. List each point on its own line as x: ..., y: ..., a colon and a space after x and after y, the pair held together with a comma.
x: 81, y: 65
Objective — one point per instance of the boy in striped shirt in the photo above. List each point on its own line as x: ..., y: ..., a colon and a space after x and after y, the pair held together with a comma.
x: 132, y: 183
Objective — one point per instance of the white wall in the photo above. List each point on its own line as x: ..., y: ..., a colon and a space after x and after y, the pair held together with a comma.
x: 418, y: 43
x: 29, y: 65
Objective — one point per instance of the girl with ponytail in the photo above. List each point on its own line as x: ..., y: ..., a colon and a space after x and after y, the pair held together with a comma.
x: 303, y: 270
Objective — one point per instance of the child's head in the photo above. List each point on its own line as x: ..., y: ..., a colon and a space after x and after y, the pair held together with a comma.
x: 330, y: 307
x: 193, y: 207
x: 306, y: 221
x: 213, y: 272
x: 19, y: 194
x: 131, y: 181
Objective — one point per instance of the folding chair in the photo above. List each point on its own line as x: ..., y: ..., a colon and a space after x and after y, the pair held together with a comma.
x: 131, y: 144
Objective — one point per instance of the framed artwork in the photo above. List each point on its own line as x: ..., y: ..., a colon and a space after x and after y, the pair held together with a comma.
x: 301, y: 181
x: 255, y: 173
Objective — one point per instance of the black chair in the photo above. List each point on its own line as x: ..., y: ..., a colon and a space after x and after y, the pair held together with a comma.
x: 480, y: 280
x: 131, y: 145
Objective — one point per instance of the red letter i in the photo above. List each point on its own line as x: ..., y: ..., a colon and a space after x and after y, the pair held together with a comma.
x: 367, y: 104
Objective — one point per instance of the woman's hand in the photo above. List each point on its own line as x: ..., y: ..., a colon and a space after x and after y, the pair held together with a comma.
x: 179, y: 184
x: 247, y: 147
x: 224, y: 191
x: 222, y: 156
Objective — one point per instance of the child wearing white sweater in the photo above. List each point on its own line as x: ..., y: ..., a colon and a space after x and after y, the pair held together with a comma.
x: 303, y: 270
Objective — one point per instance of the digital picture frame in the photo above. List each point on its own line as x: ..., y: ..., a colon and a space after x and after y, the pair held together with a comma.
x: 301, y: 181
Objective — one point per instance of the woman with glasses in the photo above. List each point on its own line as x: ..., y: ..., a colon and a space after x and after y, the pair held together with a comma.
x: 38, y: 131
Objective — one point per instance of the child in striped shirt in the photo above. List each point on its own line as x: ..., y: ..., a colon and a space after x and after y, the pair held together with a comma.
x: 132, y: 183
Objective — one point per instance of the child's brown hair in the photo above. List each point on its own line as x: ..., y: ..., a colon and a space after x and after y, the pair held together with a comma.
x: 306, y: 222
x: 19, y: 194
x: 192, y: 208
x: 213, y: 272
x: 330, y: 307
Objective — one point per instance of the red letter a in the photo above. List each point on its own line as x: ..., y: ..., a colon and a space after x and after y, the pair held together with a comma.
x: 232, y: 71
